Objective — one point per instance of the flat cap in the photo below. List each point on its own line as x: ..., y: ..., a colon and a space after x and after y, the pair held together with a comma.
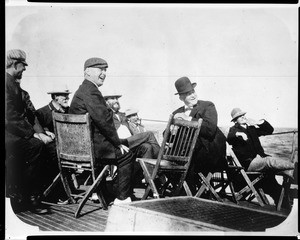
x: 17, y: 55
x: 95, y: 63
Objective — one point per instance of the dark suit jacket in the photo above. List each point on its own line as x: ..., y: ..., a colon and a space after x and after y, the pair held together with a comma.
x: 122, y: 120
x: 89, y: 99
x: 44, y: 115
x: 20, y: 118
x: 210, y: 150
x: 245, y: 151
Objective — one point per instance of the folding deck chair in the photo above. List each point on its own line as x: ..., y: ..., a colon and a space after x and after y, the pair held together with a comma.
x: 248, y: 192
x: 75, y: 154
x: 173, y: 159
x: 286, y: 183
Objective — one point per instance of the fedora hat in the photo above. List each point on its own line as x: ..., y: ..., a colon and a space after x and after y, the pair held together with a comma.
x: 236, y: 112
x: 59, y: 91
x: 184, y: 85
x: 109, y: 95
x: 131, y: 111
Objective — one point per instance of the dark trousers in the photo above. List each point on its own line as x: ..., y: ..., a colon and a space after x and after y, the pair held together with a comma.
x: 122, y: 183
x: 143, y: 145
x: 28, y: 164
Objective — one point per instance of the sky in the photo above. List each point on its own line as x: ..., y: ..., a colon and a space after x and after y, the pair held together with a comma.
x: 239, y: 55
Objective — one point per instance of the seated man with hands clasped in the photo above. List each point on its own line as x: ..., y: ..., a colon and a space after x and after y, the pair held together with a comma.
x: 244, y: 138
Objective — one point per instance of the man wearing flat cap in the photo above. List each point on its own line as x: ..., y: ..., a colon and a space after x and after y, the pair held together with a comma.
x: 244, y: 138
x: 107, y: 144
x: 30, y: 151
x: 210, y: 149
x: 59, y: 103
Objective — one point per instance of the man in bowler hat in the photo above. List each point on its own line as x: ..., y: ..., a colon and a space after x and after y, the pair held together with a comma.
x: 109, y: 148
x: 30, y: 151
x: 210, y: 149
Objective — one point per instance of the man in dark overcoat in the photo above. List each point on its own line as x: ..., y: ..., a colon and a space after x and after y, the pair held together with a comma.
x: 59, y: 103
x: 107, y: 145
x: 210, y: 149
x: 30, y: 152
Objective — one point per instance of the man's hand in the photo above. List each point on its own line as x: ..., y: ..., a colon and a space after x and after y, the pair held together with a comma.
x: 182, y: 116
x: 243, y: 135
x: 123, y: 148
x: 252, y: 122
x: 43, y: 137
x: 50, y: 134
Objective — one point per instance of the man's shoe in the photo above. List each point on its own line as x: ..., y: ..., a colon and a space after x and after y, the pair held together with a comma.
x: 36, y: 207
x: 120, y: 202
x: 40, y: 210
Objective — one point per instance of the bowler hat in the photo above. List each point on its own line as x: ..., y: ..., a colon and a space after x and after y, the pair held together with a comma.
x: 95, y: 63
x: 236, y: 112
x: 131, y: 111
x: 184, y: 85
x: 17, y: 55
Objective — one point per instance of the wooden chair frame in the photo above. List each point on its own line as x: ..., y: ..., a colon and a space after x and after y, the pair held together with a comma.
x: 249, y: 190
x: 75, y: 152
x: 286, y: 183
x: 174, y: 157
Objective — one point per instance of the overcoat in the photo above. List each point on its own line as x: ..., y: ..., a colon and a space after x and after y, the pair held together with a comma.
x: 245, y: 151
x: 210, y: 149
x: 44, y: 115
x: 88, y: 99
x: 20, y: 119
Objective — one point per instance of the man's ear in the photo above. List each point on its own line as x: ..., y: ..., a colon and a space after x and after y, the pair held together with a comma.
x: 181, y: 97
x: 88, y: 71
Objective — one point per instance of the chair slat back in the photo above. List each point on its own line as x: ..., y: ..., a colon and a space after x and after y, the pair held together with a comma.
x: 179, y: 141
x: 73, y: 139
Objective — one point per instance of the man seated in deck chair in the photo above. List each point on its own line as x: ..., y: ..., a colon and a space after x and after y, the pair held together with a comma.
x: 30, y: 150
x: 59, y: 103
x: 134, y: 122
x: 109, y: 148
x: 143, y: 145
x: 244, y: 138
x: 210, y: 149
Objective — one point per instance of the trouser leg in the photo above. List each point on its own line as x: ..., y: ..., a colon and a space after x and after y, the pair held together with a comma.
x: 122, y: 183
x: 28, y: 164
x: 260, y: 164
x: 145, y: 137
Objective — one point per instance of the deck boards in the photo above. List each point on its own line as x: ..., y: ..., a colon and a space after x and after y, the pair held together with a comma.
x: 61, y: 218
x: 94, y: 219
